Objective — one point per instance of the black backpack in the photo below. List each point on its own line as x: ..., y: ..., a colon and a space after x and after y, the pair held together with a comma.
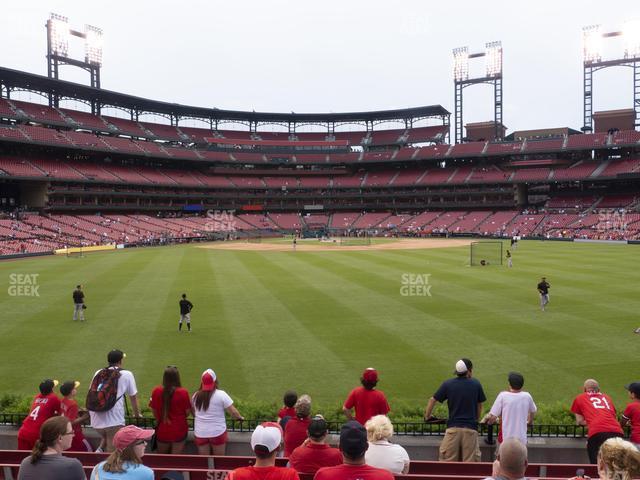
x: 103, y: 393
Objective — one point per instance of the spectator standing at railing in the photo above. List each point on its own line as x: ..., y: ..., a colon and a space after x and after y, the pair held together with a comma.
x: 210, y: 425
x: 631, y: 415
x: 366, y: 400
x: 515, y: 409
x: 44, y: 406
x: 171, y: 406
x: 464, y: 396
x: 596, y: 410
x: 108, y: 422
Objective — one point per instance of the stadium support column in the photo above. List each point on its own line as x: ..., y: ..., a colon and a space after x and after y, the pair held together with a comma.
x: 458, y: 112
x: 636, y: 92
x: 520, y: 194
x: 587, y: 110
x: 497, y: 105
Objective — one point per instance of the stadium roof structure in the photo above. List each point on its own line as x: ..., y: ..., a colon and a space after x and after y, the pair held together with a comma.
x: 60, y: 89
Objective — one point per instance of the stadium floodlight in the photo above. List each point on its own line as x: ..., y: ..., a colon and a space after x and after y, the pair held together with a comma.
x: 461, y: 63
x: 592, y: 39
x: 59, y: 34
x: 93, y: 45
x: 493, y: 53
x: 631, y: 34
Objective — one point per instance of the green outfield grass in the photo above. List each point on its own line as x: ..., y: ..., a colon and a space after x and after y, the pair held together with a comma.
x: 270, y: 321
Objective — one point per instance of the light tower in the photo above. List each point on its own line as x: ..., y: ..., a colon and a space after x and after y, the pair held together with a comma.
x: 493, y: 76
x: 593, y: 38
x: 58, y: 35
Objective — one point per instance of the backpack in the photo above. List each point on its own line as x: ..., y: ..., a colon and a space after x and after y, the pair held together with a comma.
x: 103, y: 392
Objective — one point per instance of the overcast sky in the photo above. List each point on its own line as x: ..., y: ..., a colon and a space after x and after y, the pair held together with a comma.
x: 336, y: 56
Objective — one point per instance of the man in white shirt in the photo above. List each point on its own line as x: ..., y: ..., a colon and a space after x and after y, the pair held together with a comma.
x: 515, y: 409
x: 109, y: 422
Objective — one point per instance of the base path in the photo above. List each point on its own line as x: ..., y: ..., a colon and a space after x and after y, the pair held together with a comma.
x: 318, y: 246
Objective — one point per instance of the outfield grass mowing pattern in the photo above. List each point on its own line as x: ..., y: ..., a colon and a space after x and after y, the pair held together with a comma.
x: 270, y: 321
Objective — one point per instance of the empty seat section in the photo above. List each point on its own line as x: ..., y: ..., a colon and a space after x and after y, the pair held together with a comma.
x: 471, y: 149
x: 549, y: 145
x: 343, y: 219
x: 39, y: 113
x: 408, y: 177
x: 127, y: 127
x: 379, y: 179
x: 86, y: 120
x: 19, y: 167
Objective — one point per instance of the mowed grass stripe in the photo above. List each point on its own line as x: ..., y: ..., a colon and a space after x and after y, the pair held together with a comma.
x: 276, y: 349
x: 357, y: 340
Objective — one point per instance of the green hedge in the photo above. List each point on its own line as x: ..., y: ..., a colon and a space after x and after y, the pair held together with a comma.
x: 251, y: 408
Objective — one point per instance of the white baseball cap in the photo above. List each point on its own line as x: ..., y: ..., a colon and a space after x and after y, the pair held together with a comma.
x: 461, y: 367
x: 267, y: 435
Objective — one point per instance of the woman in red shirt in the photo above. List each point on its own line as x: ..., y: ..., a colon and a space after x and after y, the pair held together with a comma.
x: 171, y: 406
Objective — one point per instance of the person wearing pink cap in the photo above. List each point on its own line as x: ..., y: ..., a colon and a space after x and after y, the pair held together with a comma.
x: 367, y: 401
x: 266, y: 441
x: 209, y: 406
x: 126, y: 460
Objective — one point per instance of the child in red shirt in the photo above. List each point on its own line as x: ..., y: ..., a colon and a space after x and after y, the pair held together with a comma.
x: 69, y: 408
x: 631, y: 414
x: 288, y: 410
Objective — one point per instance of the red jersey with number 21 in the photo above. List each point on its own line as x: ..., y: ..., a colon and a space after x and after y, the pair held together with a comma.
x: 598, y: 411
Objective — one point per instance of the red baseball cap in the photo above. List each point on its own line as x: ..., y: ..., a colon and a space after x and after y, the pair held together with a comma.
x: 370, y: 375
x: 130, y: 434
x: 208, y: 380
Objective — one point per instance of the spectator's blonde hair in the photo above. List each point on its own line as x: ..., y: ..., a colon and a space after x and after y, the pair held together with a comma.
x: 379, y: 428
x: 618, y: 460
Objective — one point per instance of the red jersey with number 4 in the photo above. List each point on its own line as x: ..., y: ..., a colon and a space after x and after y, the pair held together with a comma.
x: 368, y: 403
x: 598, y: 411
x: 42, y: 408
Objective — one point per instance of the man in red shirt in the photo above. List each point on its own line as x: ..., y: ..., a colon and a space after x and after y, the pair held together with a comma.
x: 266, y: 441
x: 314, y: 453
x: 353, y: 445
x: 367, y: 401
x: 288, y: 410
x: 45, y: 405
x: 69, y: 408
x: 596, y: 410
x: 631, y: 414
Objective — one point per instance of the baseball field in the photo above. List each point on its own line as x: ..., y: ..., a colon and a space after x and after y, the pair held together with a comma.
x: 268, y: 319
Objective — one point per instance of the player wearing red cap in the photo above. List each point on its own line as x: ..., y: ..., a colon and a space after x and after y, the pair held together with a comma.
x: 45, y: 405
x: 367, y: 401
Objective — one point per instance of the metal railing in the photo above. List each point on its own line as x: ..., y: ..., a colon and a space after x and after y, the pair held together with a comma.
x: 416, y: 429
